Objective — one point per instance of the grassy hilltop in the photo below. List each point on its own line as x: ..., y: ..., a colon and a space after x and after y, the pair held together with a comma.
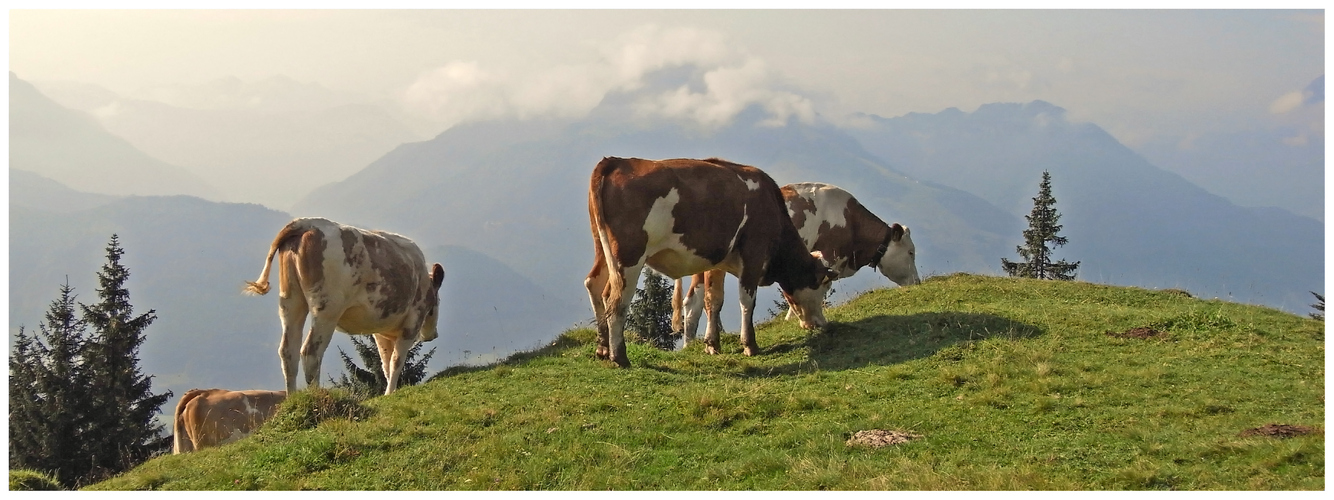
x: 1010, y: 384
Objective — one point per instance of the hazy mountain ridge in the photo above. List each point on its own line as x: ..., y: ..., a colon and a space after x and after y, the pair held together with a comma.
x: 1128, y: 221
x: 30, y: 190
x: 269, y: 141
x: 72, y: 148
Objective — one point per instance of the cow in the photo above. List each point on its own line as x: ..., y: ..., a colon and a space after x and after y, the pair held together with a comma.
x: 361, y: 282
x: 682, y: 217
x: 214, y: 417
x: 829, y: 220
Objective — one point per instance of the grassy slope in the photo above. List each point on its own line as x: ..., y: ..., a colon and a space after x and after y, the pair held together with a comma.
x: 1013, y: 384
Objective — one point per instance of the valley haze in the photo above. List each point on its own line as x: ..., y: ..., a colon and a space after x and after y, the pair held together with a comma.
x: 1186, y: 149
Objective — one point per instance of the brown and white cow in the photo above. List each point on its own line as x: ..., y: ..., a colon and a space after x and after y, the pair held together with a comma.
x: 362, y: 282
x: 214, y: 417
x: 682, y: 217
x: 829, y: 220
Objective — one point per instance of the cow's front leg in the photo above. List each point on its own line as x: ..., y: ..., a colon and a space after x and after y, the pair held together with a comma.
x: 747, y: 321
x: 398, y: 358
x: 385, y: 344
x: 713, y: 303
x: 692, y: 307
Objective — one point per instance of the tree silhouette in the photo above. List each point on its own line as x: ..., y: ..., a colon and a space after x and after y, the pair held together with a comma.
x: 370, y: 382
x: 1042, y: 229
x: 79, y: 407
x: 650, y: 315
x: 126, y: 431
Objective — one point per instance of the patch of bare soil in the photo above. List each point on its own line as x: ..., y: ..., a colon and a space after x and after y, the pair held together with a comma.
x: 1278, y: 431
x: 1138, y: 333
x: 877, y: 438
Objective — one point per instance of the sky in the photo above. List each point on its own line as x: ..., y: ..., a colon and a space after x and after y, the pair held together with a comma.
x: 1135, y: 73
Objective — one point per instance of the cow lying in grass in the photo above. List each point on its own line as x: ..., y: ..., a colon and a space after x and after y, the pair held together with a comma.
x: 213, y: 417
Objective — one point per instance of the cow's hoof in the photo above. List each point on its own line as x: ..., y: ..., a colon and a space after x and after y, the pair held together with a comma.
x: 603, y: 352
x: 712, y: 349
x: 752, y: 351
x: 623, y: 362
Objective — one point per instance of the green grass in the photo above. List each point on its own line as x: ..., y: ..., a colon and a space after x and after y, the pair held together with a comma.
x: 1012, y: 384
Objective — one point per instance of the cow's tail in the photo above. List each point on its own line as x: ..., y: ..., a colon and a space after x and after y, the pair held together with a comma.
x: 615, y: 272
x: 180, y: 441
x: 261, y: 286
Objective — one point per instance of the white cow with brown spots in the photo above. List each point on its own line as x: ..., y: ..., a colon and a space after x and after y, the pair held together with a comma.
x: 829, y: 220
x: 358, y: 281
x: 213, y: 417
x: 682, y: 217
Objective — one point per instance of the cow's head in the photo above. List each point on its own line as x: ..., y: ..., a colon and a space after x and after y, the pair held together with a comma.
x: 428, y: 331
x: 805, y: 295
x: 899, y: 262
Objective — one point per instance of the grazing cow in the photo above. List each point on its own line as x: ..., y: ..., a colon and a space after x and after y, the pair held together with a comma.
x: 214, y: 417
x: 682, y: 217
x: 362, y: 282
x: 829, y: 220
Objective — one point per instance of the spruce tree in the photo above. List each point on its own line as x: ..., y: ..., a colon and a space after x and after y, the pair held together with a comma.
x: 370, y: 381
x: 126, y: 430
x: 1042, y: 229
x: 49, y: 394
x: 650, y: 315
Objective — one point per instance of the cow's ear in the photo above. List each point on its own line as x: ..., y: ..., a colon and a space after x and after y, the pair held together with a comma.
x: 896, y: 232
x: 437, y: 275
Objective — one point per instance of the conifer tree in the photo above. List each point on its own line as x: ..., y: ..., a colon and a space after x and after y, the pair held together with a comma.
x: 49, y: 391
x: 650, y: 315
x: 1042, y: 229
x: 370, y: 382
x: 126, y: 432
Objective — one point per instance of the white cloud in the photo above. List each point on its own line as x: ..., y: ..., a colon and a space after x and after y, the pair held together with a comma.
x: 462, y: 91
x: 457, y: 91
x: 729, y: 90
x: 1286, y: 103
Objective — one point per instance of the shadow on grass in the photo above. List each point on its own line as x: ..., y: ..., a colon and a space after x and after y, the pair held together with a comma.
x: 886, y: 340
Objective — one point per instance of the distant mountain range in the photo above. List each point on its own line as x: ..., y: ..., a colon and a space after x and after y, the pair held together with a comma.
x: 274, y: 139
x: 70, y: 147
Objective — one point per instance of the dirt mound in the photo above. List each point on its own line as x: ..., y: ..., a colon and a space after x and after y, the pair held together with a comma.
x: 1278, y: 430
x: 1138, y: 333
x: 876, y: 438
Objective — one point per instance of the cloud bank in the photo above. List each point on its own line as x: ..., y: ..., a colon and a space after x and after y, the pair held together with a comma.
x: 462, y: 91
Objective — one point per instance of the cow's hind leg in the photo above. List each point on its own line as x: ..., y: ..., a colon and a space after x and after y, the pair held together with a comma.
x: 596, y: 283
x: 617, y: 306
x: 317, y: 340
x: 292, y: 310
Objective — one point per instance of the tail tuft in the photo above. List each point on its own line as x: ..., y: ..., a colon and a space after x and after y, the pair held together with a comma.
x: 253, y: 288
